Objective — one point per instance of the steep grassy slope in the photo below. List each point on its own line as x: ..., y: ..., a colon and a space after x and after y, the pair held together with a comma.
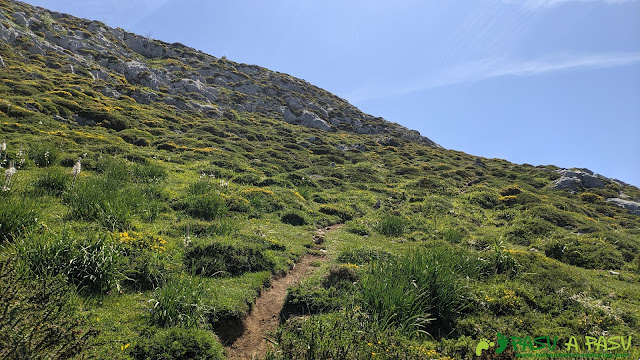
x: 191, y: 195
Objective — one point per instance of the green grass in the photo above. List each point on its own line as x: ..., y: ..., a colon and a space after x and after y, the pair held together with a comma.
x: 503, y: 249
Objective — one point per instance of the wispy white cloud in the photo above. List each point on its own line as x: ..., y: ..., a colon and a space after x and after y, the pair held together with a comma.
x: 490, y: 68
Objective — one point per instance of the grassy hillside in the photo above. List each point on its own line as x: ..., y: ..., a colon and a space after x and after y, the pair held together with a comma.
x: 144, y: 229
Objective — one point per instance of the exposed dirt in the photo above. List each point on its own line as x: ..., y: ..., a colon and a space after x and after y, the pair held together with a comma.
x: 264, y: 316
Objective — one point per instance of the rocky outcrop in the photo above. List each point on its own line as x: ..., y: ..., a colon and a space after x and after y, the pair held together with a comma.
x: 631, y: 206
x: 183, y: 77
x: 575, y: 179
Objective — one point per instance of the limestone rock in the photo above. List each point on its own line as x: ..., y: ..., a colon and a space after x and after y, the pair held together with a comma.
x: 574, y: 179
x: 631, y: 206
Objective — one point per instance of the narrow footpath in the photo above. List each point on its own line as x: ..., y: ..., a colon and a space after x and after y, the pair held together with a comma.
x: 264, y: 316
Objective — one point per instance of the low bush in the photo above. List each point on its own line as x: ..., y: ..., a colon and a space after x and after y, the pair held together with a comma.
x: 43, y: 155
x: 484, y: 199
x: 357, y: 227
x: 392, y: 225
x: 306, y: 300
x: 206, y: 207
x: 179, y: 302
x: 26, y: 303
x: 341, y: 276
x: 453, y: 235
x: 510, y: 190
x: 348, y: 334
x: 52, y: 182
x: 262, y: 200
x: 343, y: 214
x: 586, y: 253
x: 17, y: 216
x: 525, y: 231
x: 91, y: 262
x: 226, y: 259
x: 591, y: 197
x: 179, y: 343
x: 293, y: 218
x: 422, y: 291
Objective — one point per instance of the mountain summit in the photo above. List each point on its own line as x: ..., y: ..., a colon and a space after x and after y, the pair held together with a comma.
x: 179, y: 76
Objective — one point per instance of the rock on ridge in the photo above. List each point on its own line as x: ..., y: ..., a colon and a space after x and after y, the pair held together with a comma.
x: 575, y: 179
x: 183, y: 77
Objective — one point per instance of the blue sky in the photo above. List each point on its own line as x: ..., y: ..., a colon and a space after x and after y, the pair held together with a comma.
x: 530, y: 81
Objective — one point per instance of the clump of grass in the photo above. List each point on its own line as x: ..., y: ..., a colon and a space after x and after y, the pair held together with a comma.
x: 343, y: 214
x: 224, y: 259
x: 357, y: 227
x: 293, y: 218
x: 179, y: 302
x: 586, y: 253
x: 341, y: 276
x: 26, y: 304
x: 52, y: 182
x: 43, y: 155
x: 179, y: 343
x: 91, y: 262
x: 202, y: 202
x: 17, y: 216
x: 420, y: 292
x: 392, y: 225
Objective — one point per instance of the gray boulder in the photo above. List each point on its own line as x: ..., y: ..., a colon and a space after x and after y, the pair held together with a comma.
x: 573, y: 180
x: 631, y: 206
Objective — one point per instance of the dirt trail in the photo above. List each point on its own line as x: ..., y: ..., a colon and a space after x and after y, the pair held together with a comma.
x: 264, y: 317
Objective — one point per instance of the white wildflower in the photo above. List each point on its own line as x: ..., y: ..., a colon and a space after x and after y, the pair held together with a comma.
x: 77, y: 167
x: 3, y: 146
x: 7, y: 177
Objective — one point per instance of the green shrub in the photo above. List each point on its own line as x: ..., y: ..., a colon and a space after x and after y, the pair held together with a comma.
x: 508, y: 200
x: 341, y: 276
x: 179, y: 343
x: 17, y: 216
x: 510, y: 190
x: 293, y: 218
x: 207, y: 206
x: 357, y: 227
x: 590, y: 197
x: 348, y: 334
x: 53, y: 182
x: 343, y: 214
x: 179, y: 302
x: 149, y: 173
x: 527, y: 230
x: 418, y: 292
x: 91, y: 262
x: 43, y: 155
x: 224, y: 259
x: 37, y: 320
x: 554, y: 216
x: 103, y: 200
x: 484, y: 199
x: 392, y: 225
x: 305, y: 300
x: 262, y: 200
x: 585, y: 252
x: 453, y: 236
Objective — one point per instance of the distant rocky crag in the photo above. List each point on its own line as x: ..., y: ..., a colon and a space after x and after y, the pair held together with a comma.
x: 177, y: 75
